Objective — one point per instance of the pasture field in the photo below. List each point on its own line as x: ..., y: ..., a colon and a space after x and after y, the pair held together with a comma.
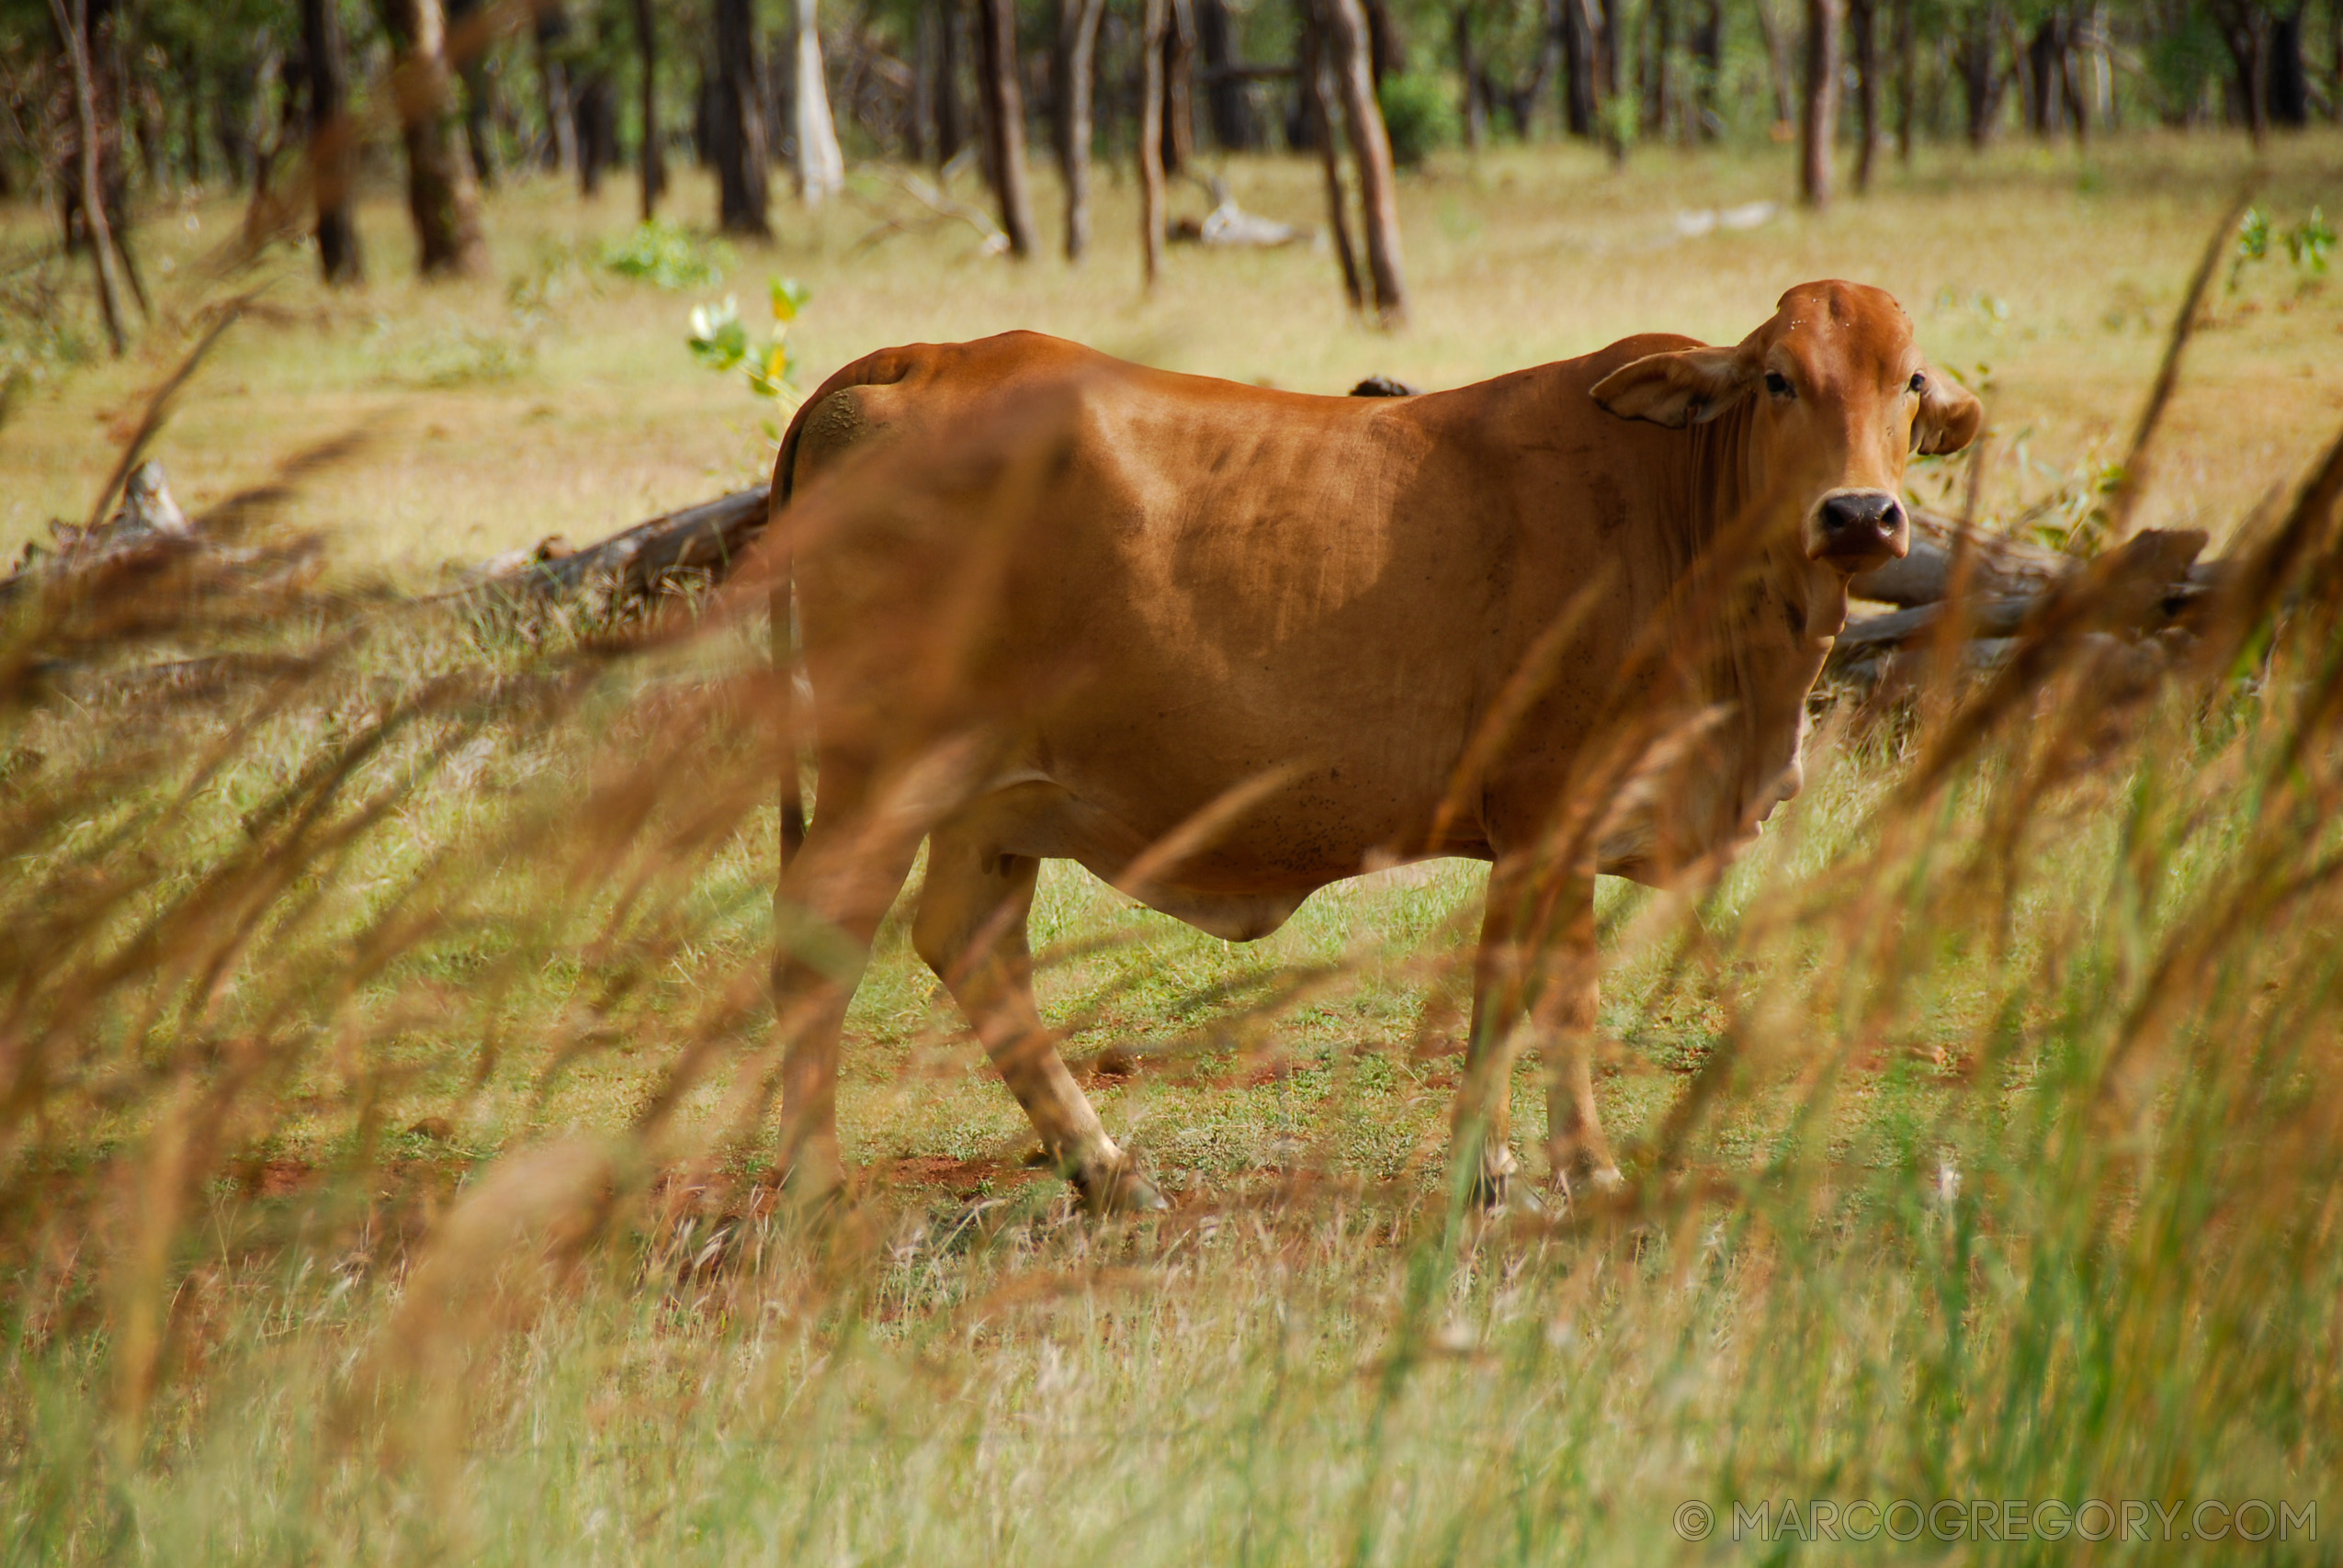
x: 384, y: 1067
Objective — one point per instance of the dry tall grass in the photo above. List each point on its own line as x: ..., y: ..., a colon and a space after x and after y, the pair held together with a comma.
x: 386, y: 1112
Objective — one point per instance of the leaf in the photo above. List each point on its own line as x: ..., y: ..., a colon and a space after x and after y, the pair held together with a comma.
x: 769, y: 371
x: 2253, y: 234
x: 790, y: 297
x: 718, y: 340
x: 2308, y: 241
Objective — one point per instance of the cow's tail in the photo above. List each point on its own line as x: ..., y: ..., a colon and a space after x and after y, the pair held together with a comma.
x: 786, y: 661
x: 873, y: 370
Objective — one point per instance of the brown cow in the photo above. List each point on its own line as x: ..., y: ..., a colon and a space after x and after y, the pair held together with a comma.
x: 1224, y: 646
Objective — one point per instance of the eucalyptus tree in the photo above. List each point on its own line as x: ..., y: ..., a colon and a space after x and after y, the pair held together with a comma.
x: 442, y: 196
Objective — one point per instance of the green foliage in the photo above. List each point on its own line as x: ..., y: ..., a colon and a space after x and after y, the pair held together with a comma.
x: 40, y: 336
x: 1420, y: 113
x: 2184, y: 60
x: 719, y: 338
x: 2309, y: 242
x: 2253, y: 245
x: 720, y: 341
x: 667, y: 254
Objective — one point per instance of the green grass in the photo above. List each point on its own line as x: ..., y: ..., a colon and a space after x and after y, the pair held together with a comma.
x: 381, y: 1052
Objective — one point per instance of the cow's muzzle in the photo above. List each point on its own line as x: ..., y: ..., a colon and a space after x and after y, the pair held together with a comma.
x: 1859, y: 529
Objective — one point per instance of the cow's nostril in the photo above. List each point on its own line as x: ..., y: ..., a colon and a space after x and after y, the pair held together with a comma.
x: 1874, y: 513
x: 1861, y: 524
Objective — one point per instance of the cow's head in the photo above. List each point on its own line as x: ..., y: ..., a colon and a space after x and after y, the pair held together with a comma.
x: 1837, y: 397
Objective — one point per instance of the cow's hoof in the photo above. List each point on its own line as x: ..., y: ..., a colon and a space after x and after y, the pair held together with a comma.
x: 1490, y: 1192
x: 814, y: 1186
x: 1578, y: 1180
x: 1491, y: 1186
x: 1118, y: 1189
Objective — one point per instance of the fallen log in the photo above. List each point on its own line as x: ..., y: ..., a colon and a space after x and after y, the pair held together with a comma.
x: 708, y: 538
x: 2007, y: 578
x: 636, y: 563
x: 147, y: 528
x: 2149, y: 587
x: 2000, y: 567
x: 1999, y: 616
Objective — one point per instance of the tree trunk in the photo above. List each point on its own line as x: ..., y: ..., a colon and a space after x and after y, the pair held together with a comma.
x: 1346, y: 37
x: 560, y: 155
x: 777, y: 95
x: 1907, y: 71
x: 1179, y: 88
x: 1151, y: 39
x: 1607, y: 44
x: 1004, y: 103
x: 73, y: 32
x: 821, y: 167
x: 1227, y: 109
x: 441, y: 195
x: 1980, y: 77
x: 1077, y: 68
x: 1318, y: 109
x: 1386, y: 49
x: 653, y: 163
x: 471, y: 69
x: 2099, y: 70
x: 1521, y: 97
x: 2334, y: 59
x: 597, y: 122
x: 2290, y: 85
x: 1863, y: 16
x: 2044, y: 92
x: 191, y: 121
x: 1659, y: 88
x: 331, y: 142
x: 1581, y: 110
x: 2070, y: 93
x: 2245, y: 29
x: 951, y: 125
x: 920, y: 120
x: 1708, y: 64
x: 1472, y: 112
x: 1777, y: 64
x: 737, y: 129
x: 1819, y: 122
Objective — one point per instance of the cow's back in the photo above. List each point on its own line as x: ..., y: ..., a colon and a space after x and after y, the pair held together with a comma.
x: 1192, y: 583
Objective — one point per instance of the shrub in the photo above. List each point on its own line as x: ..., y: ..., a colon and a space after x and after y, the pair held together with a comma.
x: 1420, y: 115
x: 667, y: 254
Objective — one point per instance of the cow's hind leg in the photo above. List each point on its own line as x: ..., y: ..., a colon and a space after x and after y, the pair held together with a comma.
x: 1484, y: 1161
x: 834, y: 895
x: 1562, y: 1015
x: 970, y: 929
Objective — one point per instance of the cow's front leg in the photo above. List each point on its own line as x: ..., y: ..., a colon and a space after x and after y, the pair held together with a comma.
x: 1563, y: 1016
x: 1484, y: 1163
x: 970, y: 929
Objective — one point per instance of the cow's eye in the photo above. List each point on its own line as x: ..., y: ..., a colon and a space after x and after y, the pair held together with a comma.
x: 1919, y: 381
x: 1777, y: 383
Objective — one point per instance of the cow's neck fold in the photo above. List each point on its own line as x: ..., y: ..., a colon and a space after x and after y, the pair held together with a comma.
x: 1759, y: 660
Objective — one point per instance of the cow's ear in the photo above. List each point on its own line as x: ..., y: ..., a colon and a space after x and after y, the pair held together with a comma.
x: 1948, y: 417
x: 1685, y: 386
